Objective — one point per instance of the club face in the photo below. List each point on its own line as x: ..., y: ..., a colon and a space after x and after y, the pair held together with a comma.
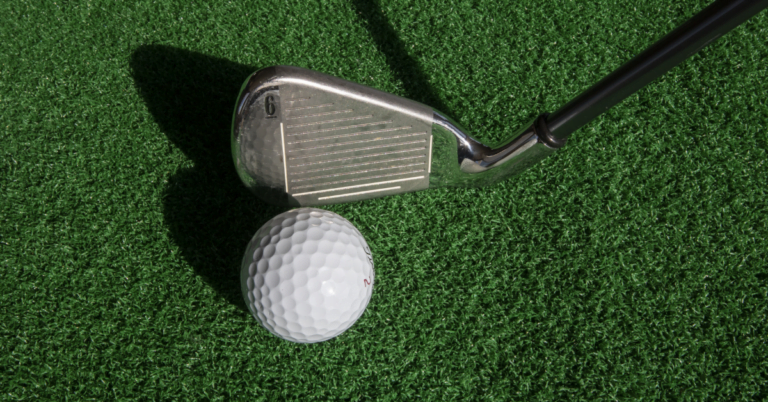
x: 303, y: 138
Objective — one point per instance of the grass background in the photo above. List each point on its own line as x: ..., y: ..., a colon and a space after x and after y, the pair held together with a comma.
x: 631, y: 265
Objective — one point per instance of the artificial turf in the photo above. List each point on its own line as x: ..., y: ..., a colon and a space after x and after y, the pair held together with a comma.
x: 631, y: 265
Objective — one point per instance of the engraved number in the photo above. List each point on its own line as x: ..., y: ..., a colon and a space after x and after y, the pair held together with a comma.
x: 269, y: 105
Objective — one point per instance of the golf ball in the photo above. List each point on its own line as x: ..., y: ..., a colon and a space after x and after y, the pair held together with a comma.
x: 307, y: 275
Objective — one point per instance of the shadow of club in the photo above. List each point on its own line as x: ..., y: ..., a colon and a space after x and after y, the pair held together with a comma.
x: 209, y: 214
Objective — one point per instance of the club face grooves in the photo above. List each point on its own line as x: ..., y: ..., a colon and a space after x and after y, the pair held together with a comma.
x: 327, y: 140
x: 302, y: 138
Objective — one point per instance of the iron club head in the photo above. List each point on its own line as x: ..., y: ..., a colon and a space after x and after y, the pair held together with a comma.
x: 303, y: 138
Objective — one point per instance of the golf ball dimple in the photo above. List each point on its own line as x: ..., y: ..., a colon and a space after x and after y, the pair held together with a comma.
x: 307, y: 275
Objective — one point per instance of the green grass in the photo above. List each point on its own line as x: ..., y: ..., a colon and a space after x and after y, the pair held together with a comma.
x: 632, y: 265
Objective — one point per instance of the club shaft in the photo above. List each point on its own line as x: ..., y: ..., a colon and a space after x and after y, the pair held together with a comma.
x: 703, y: 28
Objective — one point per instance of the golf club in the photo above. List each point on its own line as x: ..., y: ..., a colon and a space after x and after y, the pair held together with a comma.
x: 303, y: 138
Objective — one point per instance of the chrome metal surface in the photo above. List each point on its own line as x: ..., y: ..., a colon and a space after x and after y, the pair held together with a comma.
x: 303, y: 138
x: 458, y: 160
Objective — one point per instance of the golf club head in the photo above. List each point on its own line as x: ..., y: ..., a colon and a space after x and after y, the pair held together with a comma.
x: 303, y: 138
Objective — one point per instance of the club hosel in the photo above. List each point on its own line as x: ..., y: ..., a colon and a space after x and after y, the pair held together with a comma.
x: 461, y: 161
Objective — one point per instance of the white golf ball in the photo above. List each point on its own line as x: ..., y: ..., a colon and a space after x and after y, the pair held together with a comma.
x: 307, y: 275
